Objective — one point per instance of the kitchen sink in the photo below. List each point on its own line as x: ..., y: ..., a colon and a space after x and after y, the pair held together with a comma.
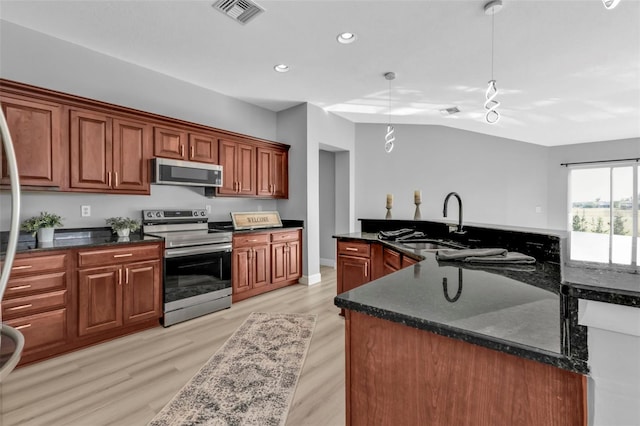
x: 430, y: 245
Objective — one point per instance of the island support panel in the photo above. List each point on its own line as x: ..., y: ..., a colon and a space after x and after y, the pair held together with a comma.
x: 401, y: 375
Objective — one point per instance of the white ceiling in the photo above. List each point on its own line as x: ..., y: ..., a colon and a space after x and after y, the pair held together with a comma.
x: 566, y: 71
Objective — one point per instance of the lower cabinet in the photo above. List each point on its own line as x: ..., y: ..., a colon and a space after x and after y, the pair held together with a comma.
x: 37, y: 303
x: 265, y: 261
x: 117, y: 296
x: 360, y: 262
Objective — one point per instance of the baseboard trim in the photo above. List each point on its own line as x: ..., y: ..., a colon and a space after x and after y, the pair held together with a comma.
x: 328, y: 262
x: 310, y: 279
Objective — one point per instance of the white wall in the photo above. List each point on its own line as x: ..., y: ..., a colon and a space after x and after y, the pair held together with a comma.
x: 500, y: 181
x: 559, y: 175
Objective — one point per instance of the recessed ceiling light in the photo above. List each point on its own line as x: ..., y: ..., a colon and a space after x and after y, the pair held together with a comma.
x: 281, y: 68
x: 346, y: 38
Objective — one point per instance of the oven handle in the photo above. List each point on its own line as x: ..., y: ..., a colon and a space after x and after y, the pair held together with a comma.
x: 169, y: 253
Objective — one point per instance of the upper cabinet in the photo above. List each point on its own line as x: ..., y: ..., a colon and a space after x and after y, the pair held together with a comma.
x: 273, y: 172
x: 68, y: 143
x: 35, y: 127
x: 108, y: 154
x: 180, y: 145
x: 238, y: 161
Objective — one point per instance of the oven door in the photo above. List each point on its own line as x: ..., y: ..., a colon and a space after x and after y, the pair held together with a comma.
x: 196, y: 274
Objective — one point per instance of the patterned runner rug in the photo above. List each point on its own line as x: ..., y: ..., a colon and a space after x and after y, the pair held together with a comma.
x: 250, y: 380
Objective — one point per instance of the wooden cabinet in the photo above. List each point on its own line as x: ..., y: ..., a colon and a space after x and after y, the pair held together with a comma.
x: 273, y: 173
x: 238, y: 161
x: 250, y: 264
x: 286, y: 262
x: 265, y: 261
x: 35, y: 127
x: 360, y: 262
x: 108, y: 154
x: 182, y: 145
x: 37, y: 303
x: 354, y: 264
x: 124, y: 290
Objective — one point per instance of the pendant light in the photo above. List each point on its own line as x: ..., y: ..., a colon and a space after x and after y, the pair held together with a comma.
x: 389, y: 137
x: 610, y: 4
x: 492, y: 115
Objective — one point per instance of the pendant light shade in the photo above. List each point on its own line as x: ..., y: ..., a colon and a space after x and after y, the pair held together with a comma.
x: 610, y: 4
x: 389, y: 137
x: 492, y: 115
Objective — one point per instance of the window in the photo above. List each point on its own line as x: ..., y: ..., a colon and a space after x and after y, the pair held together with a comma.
x: 604, y: 218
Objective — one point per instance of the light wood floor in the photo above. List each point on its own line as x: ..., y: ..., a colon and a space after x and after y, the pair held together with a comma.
x: 128, y: 380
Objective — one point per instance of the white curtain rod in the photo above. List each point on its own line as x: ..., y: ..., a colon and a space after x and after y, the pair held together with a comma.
x: 637, y: 159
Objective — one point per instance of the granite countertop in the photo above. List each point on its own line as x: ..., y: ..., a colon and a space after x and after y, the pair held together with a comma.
x: 517, y: 309
x: 73, y: 238
x: 604, y: 285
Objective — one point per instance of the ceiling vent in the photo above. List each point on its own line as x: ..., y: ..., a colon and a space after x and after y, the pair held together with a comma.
x: 241, y: 11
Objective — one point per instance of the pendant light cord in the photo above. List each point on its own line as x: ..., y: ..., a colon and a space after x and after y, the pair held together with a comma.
x: 492, y: 38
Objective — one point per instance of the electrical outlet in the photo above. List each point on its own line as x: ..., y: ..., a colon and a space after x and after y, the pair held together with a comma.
x: 85, y: 211
x: 538, y: 209
x: 208, y: 208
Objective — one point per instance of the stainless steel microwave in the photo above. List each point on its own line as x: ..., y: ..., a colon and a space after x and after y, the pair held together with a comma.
x: 177, y: 172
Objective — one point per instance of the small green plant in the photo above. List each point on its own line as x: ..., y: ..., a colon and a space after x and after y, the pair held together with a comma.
x: 120, y: 223
x: 44, y: 220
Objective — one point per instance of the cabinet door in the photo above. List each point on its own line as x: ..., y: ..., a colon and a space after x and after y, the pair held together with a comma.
x: 142, y: 291
x: 203, y: 148
x: 352, y: 272
x: 35, y: 130
x: 99, y: 299
x: 227, y: 156
x: 280, y: 180
x: 169, y: 143
x: 130, y: 156
x: 265, y: 172
x: 294, y: 260
x: 261, y: 265
x: 91, y: 151
x: 241, y: 279
x: 246, y: 169
x: 278, y: 262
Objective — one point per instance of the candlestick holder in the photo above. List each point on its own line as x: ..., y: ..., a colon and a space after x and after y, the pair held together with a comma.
x: 388, y: 216
x: 417, y: 215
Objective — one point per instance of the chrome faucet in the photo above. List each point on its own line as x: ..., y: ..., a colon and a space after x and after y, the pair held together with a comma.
x: 444, y: 210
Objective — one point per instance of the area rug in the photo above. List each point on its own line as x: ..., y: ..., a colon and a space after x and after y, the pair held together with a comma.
x: 250, y: 380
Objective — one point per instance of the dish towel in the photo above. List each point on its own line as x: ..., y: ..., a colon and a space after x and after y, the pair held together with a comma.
x: 492, y: 256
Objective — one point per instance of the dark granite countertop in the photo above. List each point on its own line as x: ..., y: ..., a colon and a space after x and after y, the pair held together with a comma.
x: 72, y: 238
x: 520, y: 310
x: 603, y: 285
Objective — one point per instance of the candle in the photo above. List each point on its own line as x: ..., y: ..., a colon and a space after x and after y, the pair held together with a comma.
x: 389, y: 200
x: 417, y: 197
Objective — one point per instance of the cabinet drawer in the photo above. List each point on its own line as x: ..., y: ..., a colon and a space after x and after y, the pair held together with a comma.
x: 42, y: 330
x: 27, y: 285
x: 37, y: 264
x: 119, y: 255
x: 245, y: 240
x: 284, y: 236
x: 24, y: 306
x: 353, y: 248
x: 392, y: 258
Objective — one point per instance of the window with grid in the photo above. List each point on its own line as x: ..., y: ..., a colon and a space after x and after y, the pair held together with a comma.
x: 604, y: 219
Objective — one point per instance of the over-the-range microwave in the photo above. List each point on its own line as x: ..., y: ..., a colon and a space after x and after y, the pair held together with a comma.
x: 177, y: 172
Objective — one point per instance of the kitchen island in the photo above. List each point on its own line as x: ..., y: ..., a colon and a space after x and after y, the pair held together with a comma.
x: 451, y: 343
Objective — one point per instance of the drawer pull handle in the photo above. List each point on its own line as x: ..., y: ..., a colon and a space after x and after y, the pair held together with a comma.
x: 181, y: 150
x: 20, y: 287
x: 123, y: 255
x: 252, y: 241
x: 20, y: 327
x: 17, y: 268
x: 351, y: 249
x: 115, y: 174
x: 192, y: 153
x: 17, y: 308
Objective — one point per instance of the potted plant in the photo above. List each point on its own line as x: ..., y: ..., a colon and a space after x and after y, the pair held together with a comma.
x: 123, y: 225
x: 42, y: 226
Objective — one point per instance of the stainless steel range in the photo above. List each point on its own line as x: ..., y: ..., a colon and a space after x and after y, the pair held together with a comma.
x: 197, y: 263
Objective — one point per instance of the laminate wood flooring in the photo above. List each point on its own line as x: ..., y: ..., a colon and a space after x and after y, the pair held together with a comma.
x: 128, y: 380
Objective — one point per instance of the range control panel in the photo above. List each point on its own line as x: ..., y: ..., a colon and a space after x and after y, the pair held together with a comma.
x: 169, y: 215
